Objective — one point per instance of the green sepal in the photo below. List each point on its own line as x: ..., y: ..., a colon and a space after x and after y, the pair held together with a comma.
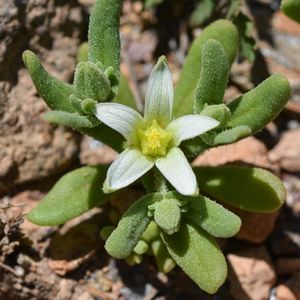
x: 227, y: 35
x: 213, y: 217
x: 232, y: 135
x: 219, y: 112
x: 125, y: 237
x: 197, y: 253
x: 250, y: 189
x: 261, y: 105
x: 72, y: 120
x: 74, y: 194
x: 291, y: 8
x: 103, y: 35
x: 91, y: 82
x: 213, y: 77
x: 164, y: 261
x: 55, y: 92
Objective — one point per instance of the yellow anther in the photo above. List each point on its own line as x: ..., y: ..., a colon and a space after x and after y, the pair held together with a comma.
x: 154, y: 140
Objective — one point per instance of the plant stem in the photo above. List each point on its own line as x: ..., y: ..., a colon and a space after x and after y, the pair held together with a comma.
x: 160, y: 182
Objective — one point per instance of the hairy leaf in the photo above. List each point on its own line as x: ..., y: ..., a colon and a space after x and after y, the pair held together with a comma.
x: 197, y: 253
x: 134, y: 222
x: 227, y: 35
x: 91, y: 82
x: 213, y: 217
x: 231, y: 135
x: 213, y: 77
x: 103, y: 36
x: 55, y: 92
x: 72, y: 120
x: 261, y: 105
x: 74, y: 194
x: 251, y: 189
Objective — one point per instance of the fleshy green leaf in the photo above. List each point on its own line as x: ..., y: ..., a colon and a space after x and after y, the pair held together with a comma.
x: 234, y: 9
x: 213, y: 217
x: 91, y: 82
x: 125, y: 95
x: 164, y: 261
x: 213, y: 77
x: 202, y: 12
x: 292, y: 9
x: 70, y: 119
x: 198, y: 255
x: 82, y: 52
x: 247, y: 43
x: 231, y: 135
x: 55, y: 92
x: 219, y: 112
x: 251, y: 189
x: 74, y: 194
x: 227, y: 35
x: 104, y: 39
x: 261, y: 105
x: 125, y: 237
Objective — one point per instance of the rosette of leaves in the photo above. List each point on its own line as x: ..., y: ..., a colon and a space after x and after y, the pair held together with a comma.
x: 176, y: 229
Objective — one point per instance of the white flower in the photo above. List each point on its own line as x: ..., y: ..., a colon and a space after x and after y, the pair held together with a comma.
x: 153, y: 140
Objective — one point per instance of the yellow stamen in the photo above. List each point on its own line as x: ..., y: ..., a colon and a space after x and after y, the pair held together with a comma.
x: 154, y: 140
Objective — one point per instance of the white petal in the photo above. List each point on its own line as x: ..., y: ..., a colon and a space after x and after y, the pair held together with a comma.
x: 176, y: 168
x: 159, y: 95
x: 190, y: 126
x: 119, y: 117
x: 127, y: 168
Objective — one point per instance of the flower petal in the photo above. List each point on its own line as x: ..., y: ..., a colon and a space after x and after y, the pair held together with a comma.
x: 119, y: 117
x: 176, y: 168
x: 127, y: 168
x: 159, y: 95
x: 190, y: 126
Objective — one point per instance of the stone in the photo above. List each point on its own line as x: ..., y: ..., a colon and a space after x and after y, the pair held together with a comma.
x: 251, y: 274
x: 249, y: 150
x: 284, y: 293
x: 31, y: 149
x: 287, y: 152
x: 256, y: 227
x: 93, y: 152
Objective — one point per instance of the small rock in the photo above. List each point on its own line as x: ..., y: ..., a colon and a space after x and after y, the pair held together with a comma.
x: 284, y: 293
x: 256, y: 227
x: 93, y: 152
x: 252, y: 274
x: 249, y: 150
x: 287, y: 152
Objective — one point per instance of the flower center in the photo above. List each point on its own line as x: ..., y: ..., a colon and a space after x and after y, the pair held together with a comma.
x: 154, y: 140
